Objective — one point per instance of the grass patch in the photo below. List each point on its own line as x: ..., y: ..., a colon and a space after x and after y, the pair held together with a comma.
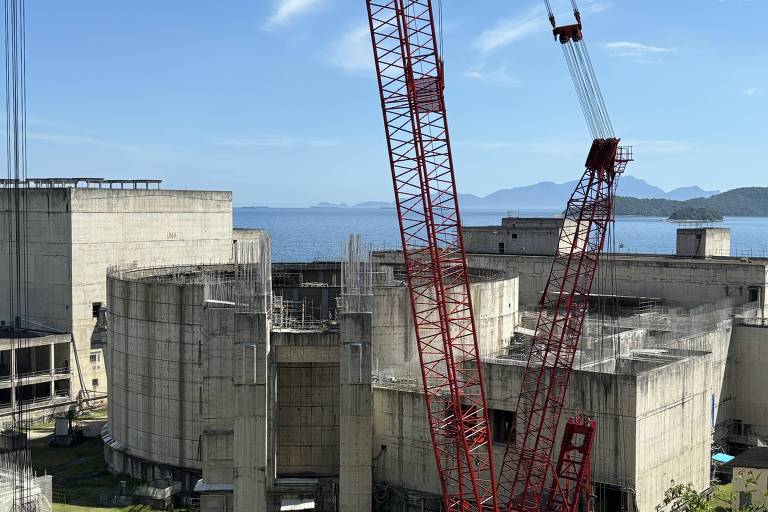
x: 721, y: 499
x: 80, y: 476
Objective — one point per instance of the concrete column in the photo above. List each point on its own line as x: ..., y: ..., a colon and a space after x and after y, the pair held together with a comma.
x: 14, y: 380
x: 250, y: 378
x: 53, y: 370
x: 355, y: 436
x: 217, y: 410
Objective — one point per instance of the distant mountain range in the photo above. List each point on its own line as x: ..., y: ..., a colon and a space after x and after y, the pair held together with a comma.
x: 547, y: 195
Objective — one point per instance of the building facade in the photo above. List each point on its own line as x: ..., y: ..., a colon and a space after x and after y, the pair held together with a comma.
x: 75, y: 232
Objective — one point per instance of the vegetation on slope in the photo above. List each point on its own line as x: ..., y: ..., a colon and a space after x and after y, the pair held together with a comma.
x: 739, y: 202
x: 698, y: 214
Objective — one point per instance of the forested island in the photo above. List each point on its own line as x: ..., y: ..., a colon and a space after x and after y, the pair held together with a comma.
x: 739, y: 202
x: 696, y: 214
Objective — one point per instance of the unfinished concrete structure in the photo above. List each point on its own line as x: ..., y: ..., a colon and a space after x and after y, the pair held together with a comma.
x: 274, y: 406
x: 76, y: 228
x: 313, y: 400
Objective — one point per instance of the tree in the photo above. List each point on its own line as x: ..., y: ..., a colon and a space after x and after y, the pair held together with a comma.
x: 682, y: 497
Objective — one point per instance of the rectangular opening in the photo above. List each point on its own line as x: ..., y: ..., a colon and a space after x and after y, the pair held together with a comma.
x: 501, y: 247
x: 95, y: 307
x: 514, y: 235
x: 503, y: 426
x: 754, y: 294
x: 94, y: 383
x: 94, y: 358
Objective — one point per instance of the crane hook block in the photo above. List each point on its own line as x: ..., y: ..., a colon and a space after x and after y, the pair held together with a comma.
x: 568, y: 33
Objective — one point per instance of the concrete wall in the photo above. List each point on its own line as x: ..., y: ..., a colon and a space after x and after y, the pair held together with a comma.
x: 395, y: 352
x: 752, y: 481
x: 153, y: 359
x: 673, y: 429
x: 308, y: 418
x: 141, y: 227
x: 631, y: 449
x: 49, y: 228
x: 688, y: 282
x: 749, y: 358
x: 75, y: 234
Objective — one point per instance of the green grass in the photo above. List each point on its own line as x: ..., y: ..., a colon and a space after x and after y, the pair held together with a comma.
x: 721, y: 499
x: 80, y: 476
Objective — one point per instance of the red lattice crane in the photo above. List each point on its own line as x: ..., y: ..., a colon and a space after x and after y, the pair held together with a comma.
x: 410, y: 78
x: 529, y: 481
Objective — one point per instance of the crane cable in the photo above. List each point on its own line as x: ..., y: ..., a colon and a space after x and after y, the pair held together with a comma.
x: 583, y: 76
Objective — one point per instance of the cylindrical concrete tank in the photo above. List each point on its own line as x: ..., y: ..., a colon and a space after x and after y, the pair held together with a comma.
x: 395, y: 354
x: 152, y: 356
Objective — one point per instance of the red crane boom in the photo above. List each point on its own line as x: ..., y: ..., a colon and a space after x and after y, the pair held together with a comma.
x: 528, y: 477
x: 410, y: 78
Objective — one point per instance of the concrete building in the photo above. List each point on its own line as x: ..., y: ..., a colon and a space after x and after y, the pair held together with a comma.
x: 312, y: 399
x: 750, y: 479
x: 703, y: 242
x: 300, y: 420
x: 535, y: 236
x: 78, y: 228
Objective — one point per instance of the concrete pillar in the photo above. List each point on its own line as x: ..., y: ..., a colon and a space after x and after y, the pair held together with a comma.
x: 250, y: 378
x: 355, y: 436
x: 51, y: 367
x: 14, y: 379
x: 217, y: 410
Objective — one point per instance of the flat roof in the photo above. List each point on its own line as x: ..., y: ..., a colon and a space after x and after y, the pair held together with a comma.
x: 756, y: 458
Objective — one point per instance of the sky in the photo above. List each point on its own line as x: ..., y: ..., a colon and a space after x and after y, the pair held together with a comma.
x: 277, y: 100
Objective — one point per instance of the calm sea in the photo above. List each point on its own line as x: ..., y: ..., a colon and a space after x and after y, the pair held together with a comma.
x: 306, y: 234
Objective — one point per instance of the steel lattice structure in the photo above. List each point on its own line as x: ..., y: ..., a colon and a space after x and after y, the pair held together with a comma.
x: 410, y: 77
x: 527, y: 472
x: 528, y: 477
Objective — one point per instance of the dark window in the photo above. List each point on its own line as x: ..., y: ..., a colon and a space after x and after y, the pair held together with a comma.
x: 698, y: 237
x: 514, y: 235
x: 754, y: 294
x: 503, y: 426
x: 501, y: 247
x: 94, y: 358
x: 94, y: 383
x: 95, y: 307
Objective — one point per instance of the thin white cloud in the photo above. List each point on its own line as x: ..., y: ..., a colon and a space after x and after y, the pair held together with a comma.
x: 755, y: 91
x: 597, y: 6
x: 634, y: 50
x: 499, y: 75
x: 533, y: 147
x: 272, y: 142
x: 287, y: 10
x: 86, y: 140
x: 509, y: 30
x: 352, y: 52
x: 662, y: 147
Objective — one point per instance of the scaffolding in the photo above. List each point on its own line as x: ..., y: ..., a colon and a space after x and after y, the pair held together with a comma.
x: 652, y: 332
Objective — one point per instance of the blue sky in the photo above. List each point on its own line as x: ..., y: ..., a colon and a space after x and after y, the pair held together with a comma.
x: 276, y: 99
